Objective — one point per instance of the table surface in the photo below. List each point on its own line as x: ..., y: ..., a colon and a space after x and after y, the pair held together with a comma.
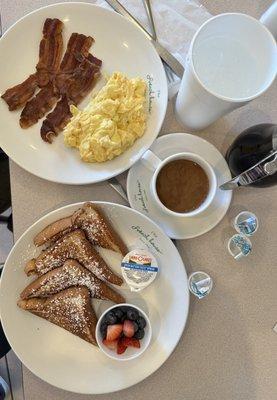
x: 228, y: 349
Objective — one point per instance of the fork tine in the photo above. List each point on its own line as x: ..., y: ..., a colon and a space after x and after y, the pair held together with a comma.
x: 1, y: 31
x: 168, y: 73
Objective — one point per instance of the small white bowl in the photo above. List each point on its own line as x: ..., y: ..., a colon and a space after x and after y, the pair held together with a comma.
x: 131, y: 352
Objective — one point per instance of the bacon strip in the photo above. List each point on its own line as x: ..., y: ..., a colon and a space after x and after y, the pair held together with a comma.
x: 78, y: 87
x: 77, y: 49
x: 83, y: 79
x: 50, y: 51
x: 18, y: 95
x: 38, y: 106
x: 56, y: 120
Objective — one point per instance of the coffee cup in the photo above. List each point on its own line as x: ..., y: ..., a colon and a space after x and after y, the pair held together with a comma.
x: 198, y: 179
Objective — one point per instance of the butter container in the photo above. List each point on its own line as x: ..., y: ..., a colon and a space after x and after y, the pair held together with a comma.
x: 139, y: 269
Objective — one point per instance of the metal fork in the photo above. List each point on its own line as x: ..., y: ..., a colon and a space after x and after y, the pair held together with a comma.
x: 170, y: 76
x: 1, y: 32
x: 148, y: 9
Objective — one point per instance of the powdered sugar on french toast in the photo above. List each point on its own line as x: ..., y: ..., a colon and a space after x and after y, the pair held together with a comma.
x: 68, y: 275
x: 71, y: 309
x: 72, y: 246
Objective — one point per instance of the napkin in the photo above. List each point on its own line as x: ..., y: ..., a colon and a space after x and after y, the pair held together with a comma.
x: 176, y: 21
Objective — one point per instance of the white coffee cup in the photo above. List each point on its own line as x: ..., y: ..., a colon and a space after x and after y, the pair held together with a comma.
x: 152, y: 162
x: 232, y: 60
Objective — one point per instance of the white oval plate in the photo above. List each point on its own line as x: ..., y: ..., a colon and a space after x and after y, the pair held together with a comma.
x: 70, y: 363
x: 120, y: 45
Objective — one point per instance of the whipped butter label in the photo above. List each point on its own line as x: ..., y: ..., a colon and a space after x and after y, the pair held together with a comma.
x: 139, y: 269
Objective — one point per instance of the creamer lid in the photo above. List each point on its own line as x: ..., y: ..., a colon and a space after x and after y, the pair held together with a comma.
x: 139, y: 269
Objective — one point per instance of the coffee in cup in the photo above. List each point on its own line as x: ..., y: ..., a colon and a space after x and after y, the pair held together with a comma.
x: 183, y: 184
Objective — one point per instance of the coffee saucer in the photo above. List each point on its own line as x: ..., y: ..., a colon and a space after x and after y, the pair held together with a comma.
x: 140, y: 198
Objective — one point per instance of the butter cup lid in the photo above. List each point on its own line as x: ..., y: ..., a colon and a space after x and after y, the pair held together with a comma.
x: 139, y: 269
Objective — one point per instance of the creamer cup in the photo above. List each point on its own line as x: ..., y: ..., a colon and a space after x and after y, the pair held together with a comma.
x: 139, y: 269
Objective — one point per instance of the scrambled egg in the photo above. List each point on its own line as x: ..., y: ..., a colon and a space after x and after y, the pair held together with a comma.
x: 111, y: 122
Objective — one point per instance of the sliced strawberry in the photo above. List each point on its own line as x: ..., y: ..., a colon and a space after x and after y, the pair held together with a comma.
x: 121, y: 347
x: 131, y: 342
x: 128, y: 328
x: 112, y: 344
x: 113, y: 332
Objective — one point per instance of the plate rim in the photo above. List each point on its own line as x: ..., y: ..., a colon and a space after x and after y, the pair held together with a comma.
x: 186, y: 292
x: 163, y: 112
x: 176, y: 237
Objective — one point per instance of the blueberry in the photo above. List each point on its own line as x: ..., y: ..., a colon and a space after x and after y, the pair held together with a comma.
x: 139, y: 334
x: 123, y: 309
x: 103, y: 330
x: 141, y: 322
x: 135, y: 326
x: 132, y: 314
x: 118, y: 313
x: 110, y: 318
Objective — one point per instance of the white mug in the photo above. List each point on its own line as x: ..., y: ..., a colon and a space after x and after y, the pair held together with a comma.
x: 152, y: 162
x: 232, y: 60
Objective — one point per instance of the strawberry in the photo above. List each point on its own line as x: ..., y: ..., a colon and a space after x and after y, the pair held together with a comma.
x: 121, y: 346
x: 112, y: 344
x: 128, y: 328
x: 113, y: 332
x: 131, y: 342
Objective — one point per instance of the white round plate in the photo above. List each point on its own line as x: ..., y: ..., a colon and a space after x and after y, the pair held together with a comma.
x: 138, y: 187
x: 65, y: 360
x: 120, y: 45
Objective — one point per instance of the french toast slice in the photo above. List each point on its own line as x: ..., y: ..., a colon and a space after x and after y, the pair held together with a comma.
x: 70, y: 274
x: 98, y: 229
x: 70, y: 309
x: 57, y: 229
x: 92, y: 221
x: 73, y: 245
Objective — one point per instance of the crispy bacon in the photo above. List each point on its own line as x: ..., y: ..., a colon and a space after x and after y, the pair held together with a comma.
x: 77, y: 87
x: 83, y: 79
x: 18, y: 95
x: 56, y: 120
x: 38, y: 106
x: 70, y: 81
x: 50, y: 51
x: 77, y: 49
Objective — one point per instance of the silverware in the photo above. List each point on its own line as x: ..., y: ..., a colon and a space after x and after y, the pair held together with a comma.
x: 116, y: 185
x: 170, y: 76
x: 266, y: 166
x: 1, y: 31
x: 148, y: 9
x: 173, y: 63
x: 172, y: 79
